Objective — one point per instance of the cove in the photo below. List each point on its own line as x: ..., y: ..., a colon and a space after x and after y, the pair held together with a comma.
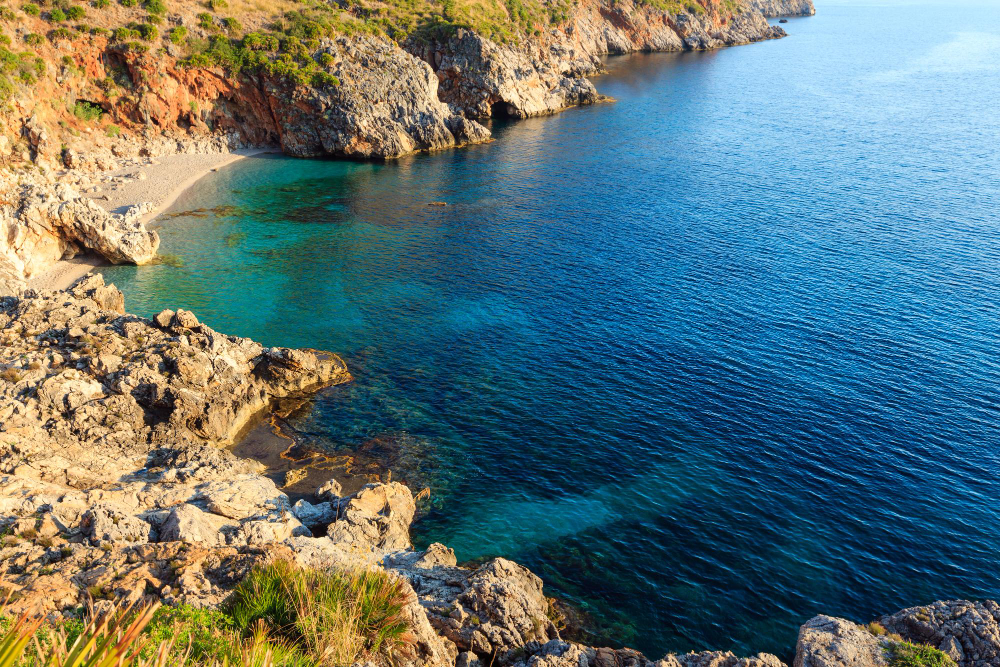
x: 710, y: 360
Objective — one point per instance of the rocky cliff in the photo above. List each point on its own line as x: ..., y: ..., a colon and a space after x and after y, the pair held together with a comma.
x: 153, y: 78
x: 328, y: 85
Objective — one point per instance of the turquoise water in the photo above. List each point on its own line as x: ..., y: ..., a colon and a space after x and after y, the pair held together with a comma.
x: 711, y: 359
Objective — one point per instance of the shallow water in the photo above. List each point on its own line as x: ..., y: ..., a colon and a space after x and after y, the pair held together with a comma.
x: 711, y: 359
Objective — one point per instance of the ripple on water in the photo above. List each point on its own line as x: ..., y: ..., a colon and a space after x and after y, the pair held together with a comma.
x: 712, y: 359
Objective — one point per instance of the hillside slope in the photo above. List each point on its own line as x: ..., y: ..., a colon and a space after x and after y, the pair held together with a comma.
x: 87, y: 88
x: 365, y: 79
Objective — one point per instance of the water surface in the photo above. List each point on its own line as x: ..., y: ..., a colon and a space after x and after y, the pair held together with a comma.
x: 711, y: 360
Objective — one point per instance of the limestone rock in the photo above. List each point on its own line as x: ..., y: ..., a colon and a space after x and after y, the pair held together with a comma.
x: 187, y: 523
x: 969, y: 632
x: 115, y: 525
x: 719, y: 659
x: 825, y: 641
x: 506, y: 599
x: 376, y: 518
x: 385, y: 106
x: 329, y: 491
x: 487, y: 79
x: 314, y: 515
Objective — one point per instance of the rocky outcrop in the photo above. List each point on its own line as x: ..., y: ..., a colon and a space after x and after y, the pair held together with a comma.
x: 774, y: 8
x: 386, y: 106
x: 546, y: 73
x: 375, y: 519
x: 41, y: 224
x: 83, y: 377
x: 488, y: 80
x: 969, y: 632
x: 825, y: 641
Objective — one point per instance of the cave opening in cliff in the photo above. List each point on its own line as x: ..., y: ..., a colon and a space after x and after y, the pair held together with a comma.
x: 501, y: 110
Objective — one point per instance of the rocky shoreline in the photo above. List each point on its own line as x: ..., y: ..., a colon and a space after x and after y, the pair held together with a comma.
x: 392, y: 99
x: 115, y: 483
x: 116, y: 477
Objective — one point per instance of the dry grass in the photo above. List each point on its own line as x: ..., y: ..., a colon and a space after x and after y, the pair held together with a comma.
x: 334, y: 617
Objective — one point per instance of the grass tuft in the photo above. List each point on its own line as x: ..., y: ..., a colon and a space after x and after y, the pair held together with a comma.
x: 333, y: 617
x: 907, y: 654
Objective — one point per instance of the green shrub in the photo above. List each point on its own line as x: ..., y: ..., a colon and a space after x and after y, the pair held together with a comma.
x: 102, y: 4
x: 177, y: 35
x: 216, y: 5
x: 130, y: 3
x: 113, y: 131
x: 31, y: 9
x: 34, y: 39
x: 876, y: 629
x: 231, y: 25
x: 156, y: 7
x: 7, y: 14
x: 124, y: 34
x: 148, y: 32
x: 87, y: 111
x: 255, y: 41
x: 333, y: 616
x: 6, y: 88
x: 57, y: 15
x: 60, y: 34
x: 325, y: 59
x: 908, y: 654
x: 205, y: 21
x: 323, y: 79
x: 75, y: 13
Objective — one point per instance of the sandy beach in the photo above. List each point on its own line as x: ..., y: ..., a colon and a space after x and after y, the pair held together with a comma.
x: 160, y: 181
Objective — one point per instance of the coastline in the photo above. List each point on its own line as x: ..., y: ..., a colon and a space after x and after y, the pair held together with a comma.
x: 160, y: 181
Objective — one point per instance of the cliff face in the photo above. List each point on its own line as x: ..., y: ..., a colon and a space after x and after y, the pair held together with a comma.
x: 86, y: 98
x: 546, y: 73
x: 373, y: 98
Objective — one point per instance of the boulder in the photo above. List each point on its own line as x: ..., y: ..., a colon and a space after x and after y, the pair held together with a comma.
x: 187, y: 523
x: 825, y: 641
x: 966, y: 631
x: 314, y: 515
x: 329, y: 491
x: 376, y: 518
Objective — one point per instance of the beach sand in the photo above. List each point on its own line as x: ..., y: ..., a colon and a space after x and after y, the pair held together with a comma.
x: 160, y: 181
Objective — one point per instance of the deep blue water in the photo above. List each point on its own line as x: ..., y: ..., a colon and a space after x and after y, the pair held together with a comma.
x: 711, y: 359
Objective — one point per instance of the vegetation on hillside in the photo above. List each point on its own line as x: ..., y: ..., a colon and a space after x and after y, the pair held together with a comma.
x: 279, y: 615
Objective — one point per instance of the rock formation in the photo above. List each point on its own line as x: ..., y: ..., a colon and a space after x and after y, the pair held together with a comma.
x: 969, y: 632
x: 41, y: 224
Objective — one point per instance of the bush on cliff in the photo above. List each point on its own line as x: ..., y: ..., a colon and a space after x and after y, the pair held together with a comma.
x: 177, y: 35
x: 24, y: 68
